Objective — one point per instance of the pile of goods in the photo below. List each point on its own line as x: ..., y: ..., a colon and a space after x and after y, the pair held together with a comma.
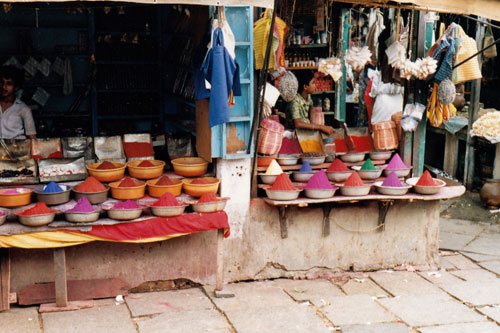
x: 358, y: 57
x: 488, y: 125
x: 392, y: 180
x: 82, y: 206
x: 90, y: 185
x: 16, y: 173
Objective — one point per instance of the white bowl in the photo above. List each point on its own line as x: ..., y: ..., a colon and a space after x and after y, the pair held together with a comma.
x: 401, y: 173
x: 124, y: 214
x: 168, y: 211
x: 267, y: 179
x: 338, y: 176
x: 378, y: 155
x: 353, y: 157
x: 282, y: 195
x: 355, y: 191
x: 368, y: 174
x: 81, y: 216
x: 392, y: 190
x: 314, y: 160
x: 287, y: 160
x: 319, y: 193
x: 36, y: 220
x: 302, y: 176
x: 209, y: 207
x: 427, y: 190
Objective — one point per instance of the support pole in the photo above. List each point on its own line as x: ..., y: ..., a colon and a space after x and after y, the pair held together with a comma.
x: 4, y: 279
x: 60, y: 277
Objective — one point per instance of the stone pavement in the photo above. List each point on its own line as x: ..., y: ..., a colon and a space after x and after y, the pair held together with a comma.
x: 464, y: 296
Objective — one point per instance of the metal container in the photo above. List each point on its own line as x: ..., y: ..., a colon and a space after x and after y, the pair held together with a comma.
x: 36, y: 220
x: 314, y: 160
x: 355, y: 191
x: 267, y: 179
x: 124, y: 214
x: 52, y: 199
x: 287, y: 160
x: 60, y: 169
x: 378, y: 155
x: 75, y: 147
x: 368, y: 174
x: 93, y: 197
x: 426, y: 190
x: 401, y: 173
x: 81, y: 217
x: 302, y: 176
x: 3, y: 217
x: 47, y: 148
x: 15, y: 167
x: 392, y: 190
x: 338, y: 176
x: 168, y: 211
x: 282, y: 195
x: 110, y: 147
x: 353, y: 157
x: 209, y: 207
x: 18, y: 149
x: 319, y: 193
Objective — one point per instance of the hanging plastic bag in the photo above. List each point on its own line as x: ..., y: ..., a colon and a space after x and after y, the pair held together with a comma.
x: 489, y: 39
x: 229, y: 42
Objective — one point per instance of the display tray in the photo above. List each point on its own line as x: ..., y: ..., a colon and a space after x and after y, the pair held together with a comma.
x: 297, y: 167
x: 109, y: 148
x: 62, y: 169
x: 17, y: 165
x: 18, y: 149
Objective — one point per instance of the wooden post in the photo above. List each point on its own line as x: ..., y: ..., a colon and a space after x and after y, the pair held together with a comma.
x: 219, y: 278
x: 496, y: 163
x: 451, y: 154
x: 60, y: 277
x: 4, y: 279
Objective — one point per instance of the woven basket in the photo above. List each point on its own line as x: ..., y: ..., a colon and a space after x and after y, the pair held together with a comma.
x: 270, y: 137
x: 316, y: 116
x: 385, y: 136
x: 469, y: 70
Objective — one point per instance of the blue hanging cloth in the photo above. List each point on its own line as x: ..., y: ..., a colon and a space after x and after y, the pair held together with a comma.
x: 222, y: 72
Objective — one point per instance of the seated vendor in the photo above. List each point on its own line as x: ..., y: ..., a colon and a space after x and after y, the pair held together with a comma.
x: 16, y: 120
x: 297, y: 111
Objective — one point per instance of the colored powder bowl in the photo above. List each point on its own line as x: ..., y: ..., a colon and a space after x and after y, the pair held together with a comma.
x: 273, y: 169
x: 146, y: 164
x: 319, y: 181
x: 167, y: 200
x: 290, y: 146
x: 200, y: 181
x: 39, y: 209
x: 90, y: 185
x: 354, y: 181
x: 208, y: 197
x: 392, y: 180
x: 127, y: 182
x: 306, y: 167
x: 396, y: 163
x: 426, y: 180
x: 106, y: 165
x: 283, y: 183
x: 82, y: 206
x: 138, y: 149
x: 11, y: 192
x: 164, y: 181
x: 52, y: 187
x: 129, y: 204
x: 337, y: 166
x: 368, y: 166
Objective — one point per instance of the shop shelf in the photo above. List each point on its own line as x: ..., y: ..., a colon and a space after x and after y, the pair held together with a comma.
x: 324, y: 92
x: 306, y: 46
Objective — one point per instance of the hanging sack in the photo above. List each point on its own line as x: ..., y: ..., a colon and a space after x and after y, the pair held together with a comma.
x: 489, y: 39
x: 385, y: 136
x: 469, y: 70
x: 270, y: 137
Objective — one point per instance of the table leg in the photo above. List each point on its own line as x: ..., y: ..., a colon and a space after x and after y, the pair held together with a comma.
x: 283, y: 226
x: 60, y: 277
x: 220, y: 292
x: 383, y: 208
x: 326, y: 219
x: 4, y: 279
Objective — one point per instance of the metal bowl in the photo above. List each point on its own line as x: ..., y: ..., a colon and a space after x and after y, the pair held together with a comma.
x: 379, y: 155
x: 124, y: 214
x: 168, y: 211
x: 3, y: 217
x: 302, y: 176
x: 355, y: 191
x: 287, y: 160
x: 80, y: 217
x: 209, y: 207
x: 282, y: 195
x: 314, y: 160
x: 368, y: 174
x: 267, y: 179
x: 353, y: 157
x: 338, y: 176
x: 36, y: 220
x: 319, y: 193
x: 93, y: 197
x: 401, y: 173
x: 426, y: 190
x: 52, y: 199
x: 391, y: 190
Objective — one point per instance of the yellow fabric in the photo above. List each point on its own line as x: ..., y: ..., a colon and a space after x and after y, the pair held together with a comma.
x: 282, y: 28
x: 260, y: 34
x: 53, y: 239
x: 469, y: 70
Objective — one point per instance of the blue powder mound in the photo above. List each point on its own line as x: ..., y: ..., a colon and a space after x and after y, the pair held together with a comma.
x: 52, y: 187
x: 306, y: 167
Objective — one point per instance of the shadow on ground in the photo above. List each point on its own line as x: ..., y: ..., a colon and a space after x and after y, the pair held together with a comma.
x: 468, y: 207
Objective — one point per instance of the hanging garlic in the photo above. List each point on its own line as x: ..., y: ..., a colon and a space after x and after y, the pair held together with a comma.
x: 331, y: 66
x: 358, y: 57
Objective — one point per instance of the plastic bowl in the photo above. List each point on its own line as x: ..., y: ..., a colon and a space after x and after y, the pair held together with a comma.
x: 80, y: 217
x: 56, y: 198
x: 287, y: 160
x: 264, y: 161
x: 338, y: 176
x: 282, y: 195
x: 355, y: 191
x: 401, y: 173
x: 392, y: 190
x: 368, y: 174
x: 197, y: 190
x: 36, y: 220
x: 107, y: 175
x: 319, y: 193
x: 209, y: 207
x: 190, y: 166
x: 126, y: 193
x: 168, y: 211
x: 353, y: 157
x: 378, y: 155
x: 22, y: 198
x: 145, y: 172
x: 124, y: 214
x: 314, y: 160
x: 302, y: 176
x: 158, y: 190
x: 426, y: 190
x: 93, y: 197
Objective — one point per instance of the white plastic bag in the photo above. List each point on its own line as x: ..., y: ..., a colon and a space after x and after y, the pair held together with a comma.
x: 385, y: 106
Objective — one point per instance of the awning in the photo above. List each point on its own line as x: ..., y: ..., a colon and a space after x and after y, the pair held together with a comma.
x: 484, y: 8
x: 256, y: 3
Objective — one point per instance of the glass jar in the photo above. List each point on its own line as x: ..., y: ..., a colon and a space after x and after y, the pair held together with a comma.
x: 330, y: 149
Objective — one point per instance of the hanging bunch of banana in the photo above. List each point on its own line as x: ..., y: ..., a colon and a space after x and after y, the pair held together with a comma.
x: 440, y: 104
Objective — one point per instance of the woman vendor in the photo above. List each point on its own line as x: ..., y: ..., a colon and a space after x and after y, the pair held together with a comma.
x: 16, y: 120
x: 297, y: 111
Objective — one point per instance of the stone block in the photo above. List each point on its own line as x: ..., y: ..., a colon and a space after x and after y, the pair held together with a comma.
x: 491, y: 311
x: 484, y: 327
x: 452, y: 241
x: 461, y: 226
x: 476, y: 293
x: 440, y: 277
x: 309, y: 290
x: 407, y: 284
x: 484, y: 245
x: 363, y: 286
x: 493, y: 266
x: 474, y: 274
x: 185, y: 321
x: 477, y: 257
x: 20, y: 320
x: 376, y: 328
x: 461, y: 262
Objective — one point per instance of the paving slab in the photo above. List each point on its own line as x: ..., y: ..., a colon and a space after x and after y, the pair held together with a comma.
x: 461, y: 226
x: 491, y: 311
x: 377, y: 328
x: 20, y: 320
x: 104, y: 317
x: 309, y: 290
x: 440, y: 277
x: 406, y: 284
x: 461, y: 262
x: 478, y: 257
x: 144, y: 304
x: 445, y: 264
x: 356, y: 309
x: 363, y: 286
x: 484, y: 245
x: 185, y: 321
x: 493, y: 266
x: 477, y: 293
x: 297, y: 318
x: 452, y: 241
x: 485, y: 327
x: 427, y: 310
x: 474, y: 274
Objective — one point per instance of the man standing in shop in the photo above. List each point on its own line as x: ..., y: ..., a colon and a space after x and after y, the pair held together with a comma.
x: 297, y: 111
x: 16, y: 120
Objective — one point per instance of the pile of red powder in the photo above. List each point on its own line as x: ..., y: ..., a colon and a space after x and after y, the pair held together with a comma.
x: 167, y: 200
x: 208, y: 197
x: 426, y: 180
x: 127, y: 182
x: 129, y: 204
x: 201, y: 181
x: 362, y: 143
x: 164, y: 181
x: 39, y: 209
x: 138, y: 149
x: 290, y: 146
x: 282, y: 183
x: 106, y: 165
x: 91, y: 185
x: 145, y: 164
x: 337, y: 166
x: 354, y: 181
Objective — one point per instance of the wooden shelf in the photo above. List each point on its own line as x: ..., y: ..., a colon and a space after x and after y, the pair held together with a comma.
x: 324, y: 92
x: 301, y: 68
x: 318, y: 166
x: 306, y: 46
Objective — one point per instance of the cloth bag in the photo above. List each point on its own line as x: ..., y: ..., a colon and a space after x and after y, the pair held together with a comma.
x: 489, y: 39
x: 270, y: 137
